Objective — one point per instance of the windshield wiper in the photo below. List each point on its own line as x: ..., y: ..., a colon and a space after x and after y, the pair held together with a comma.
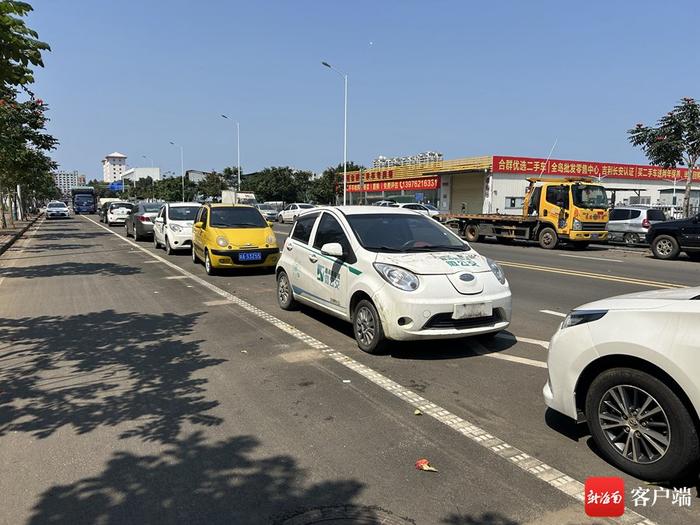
x: 384, y: 249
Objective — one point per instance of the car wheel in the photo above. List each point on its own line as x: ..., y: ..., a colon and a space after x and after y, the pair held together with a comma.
x: 156, y: 244
x: 281, y: 219
x: 208, y: 266
x: 126, y: 230
x: 195, y: 259
x: 641, y: 426
x: 285, y: 296
x: 367, y: 327
x: 166, y: 243
x: 548, y: 238
x: 630, y: 239
x: 665, y: 247
x: 471, y: 233
x: 137, y: 237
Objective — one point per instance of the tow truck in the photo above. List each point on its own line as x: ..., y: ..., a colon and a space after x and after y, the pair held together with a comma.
x: 555, y: 211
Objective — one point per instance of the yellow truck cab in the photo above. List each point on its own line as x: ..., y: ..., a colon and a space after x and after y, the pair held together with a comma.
x: 574, y: 211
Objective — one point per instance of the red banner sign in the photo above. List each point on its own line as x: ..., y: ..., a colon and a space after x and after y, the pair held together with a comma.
x: 578, y: 168
x: 425, y: 183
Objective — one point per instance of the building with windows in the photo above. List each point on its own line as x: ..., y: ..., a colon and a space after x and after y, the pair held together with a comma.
x: 497, y: 183
x: 65, y: 180
x: 113, y: 167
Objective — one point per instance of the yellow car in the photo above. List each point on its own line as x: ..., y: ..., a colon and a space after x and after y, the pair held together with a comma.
x: 233, y: 236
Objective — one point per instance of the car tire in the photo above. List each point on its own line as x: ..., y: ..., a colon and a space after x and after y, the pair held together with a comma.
x: 156, y: 244
x: 285, y: 295
x: 281, y: 219
x: 630, y: 239
x: 548, y: 238
x: 126, y: 231
x: 367, y: 327
x: 471, y: 233
x: 195, y: 259
x: 680, y: 453
x: 166, y: 243
x: 208, y: 266
x: 665, y: 247
x: 137, y: 237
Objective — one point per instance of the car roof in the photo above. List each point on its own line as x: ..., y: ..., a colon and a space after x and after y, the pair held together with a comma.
x: 222, y: 205
x: 366, y: 210
x: 178, y: 204
x: 642, y: 208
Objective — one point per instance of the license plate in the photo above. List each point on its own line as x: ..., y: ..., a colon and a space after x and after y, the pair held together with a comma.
x: 250, y: 256
x: 465, y: 311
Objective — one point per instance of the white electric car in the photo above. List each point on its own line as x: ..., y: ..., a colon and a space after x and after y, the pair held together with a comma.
x: 630, y: 367
x: 172, y: 227
x: 395, y: 274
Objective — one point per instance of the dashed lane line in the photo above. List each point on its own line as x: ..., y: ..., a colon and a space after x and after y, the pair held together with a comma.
x: 538, y: 469
x: 590, y: 258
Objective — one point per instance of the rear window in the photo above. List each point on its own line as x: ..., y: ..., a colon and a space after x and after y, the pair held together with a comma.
x: 656, y: 215
x: 56, y: 205
x: 303, y: 227
x: 151, y: 207
x: 116, y: 205
x: 635, y: 214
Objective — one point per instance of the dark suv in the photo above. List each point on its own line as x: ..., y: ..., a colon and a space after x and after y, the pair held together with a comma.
x: 668, y: 239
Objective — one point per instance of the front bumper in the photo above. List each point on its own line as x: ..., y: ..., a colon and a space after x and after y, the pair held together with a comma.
x: 428, y: 313
x: 577, y: 235
x: 180, y: 241
x: 232, y: 258
x: 57, y: 215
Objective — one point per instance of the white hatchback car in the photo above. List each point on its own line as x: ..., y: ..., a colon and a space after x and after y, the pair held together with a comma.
x: 172, y: 227
x: 630, y: 367
x: 292, y: 211
x: 393, y: 273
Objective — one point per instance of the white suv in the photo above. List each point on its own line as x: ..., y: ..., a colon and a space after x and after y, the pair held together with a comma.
x: 172, y: 227
x: 393, y: 273
x: 630, y: 367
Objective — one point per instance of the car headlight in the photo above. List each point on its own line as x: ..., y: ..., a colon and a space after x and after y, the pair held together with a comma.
x: 221, y: 241
x: 497, y: 271
x: 576, y: 225
x: 398, y: 277
x: 176, y: 228
x: 271, y: 239
x: 577, y: 317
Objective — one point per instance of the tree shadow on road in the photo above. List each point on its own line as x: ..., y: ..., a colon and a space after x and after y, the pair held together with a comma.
x: 103, y: 369
x: 487, y: 518
x: 68, y: 269
x: 192, y: 482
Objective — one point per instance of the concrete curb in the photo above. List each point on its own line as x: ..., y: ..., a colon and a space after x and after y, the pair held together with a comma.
x: 17, y: 235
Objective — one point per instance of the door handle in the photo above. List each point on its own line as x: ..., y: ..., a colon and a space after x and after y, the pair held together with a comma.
x: 313, y: 258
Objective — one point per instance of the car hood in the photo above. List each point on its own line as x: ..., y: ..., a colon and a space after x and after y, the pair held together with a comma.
x: 644, y: 300
x: 245, y: 237
x: 436, y: 263
x: 183, y: 224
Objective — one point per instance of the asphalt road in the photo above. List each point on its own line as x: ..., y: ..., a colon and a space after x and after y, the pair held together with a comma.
x: 136, y: 389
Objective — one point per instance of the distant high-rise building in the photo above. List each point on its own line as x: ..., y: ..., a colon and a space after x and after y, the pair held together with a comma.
x: 113, y: 167
x: 65, y: 180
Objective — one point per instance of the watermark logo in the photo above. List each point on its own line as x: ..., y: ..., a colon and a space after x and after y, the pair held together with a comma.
x: 604, y: 497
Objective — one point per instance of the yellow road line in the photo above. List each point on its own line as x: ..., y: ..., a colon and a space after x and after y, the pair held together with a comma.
x: 591, y: 275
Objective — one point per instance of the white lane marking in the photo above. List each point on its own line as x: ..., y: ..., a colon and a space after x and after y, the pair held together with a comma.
x: 218, y: 302
x: 591, y: 258
x: 538, y: 469
x: 538, y: 342
x: 173, y: 277
x: 552, y: 312
x: 151, y: 262
x: 483, y: 351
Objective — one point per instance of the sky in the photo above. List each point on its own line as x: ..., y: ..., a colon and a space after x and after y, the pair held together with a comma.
x: 459, y: 77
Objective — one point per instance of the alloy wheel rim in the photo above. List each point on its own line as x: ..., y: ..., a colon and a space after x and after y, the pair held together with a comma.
x: 207, y: 262
x: 283, y: 290
x: 664, y: 247
x: 634, y: 424
x: 365, y: 326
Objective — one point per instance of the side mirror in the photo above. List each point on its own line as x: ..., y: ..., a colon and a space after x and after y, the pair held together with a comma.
x: 199, y: 224
x: 334, y: 249
x: 270, y: 224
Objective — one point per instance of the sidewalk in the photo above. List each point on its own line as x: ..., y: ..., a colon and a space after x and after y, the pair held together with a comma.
x: 9, y: 235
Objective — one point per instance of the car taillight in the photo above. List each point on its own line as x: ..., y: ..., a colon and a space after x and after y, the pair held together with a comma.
x: 646, y: 223
x: 143, y: 218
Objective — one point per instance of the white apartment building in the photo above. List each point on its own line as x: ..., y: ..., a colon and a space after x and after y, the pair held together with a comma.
x: 65, y: 180
x: 133, y: 174
x: 113, y: 167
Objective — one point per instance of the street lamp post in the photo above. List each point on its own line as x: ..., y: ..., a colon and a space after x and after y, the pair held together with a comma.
x: 182, y: 167
x: 345, y: 130
x: 148, y: 158
x: 238, y: 151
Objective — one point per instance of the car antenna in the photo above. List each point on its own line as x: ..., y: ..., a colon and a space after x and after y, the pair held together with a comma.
x: 546, y: 162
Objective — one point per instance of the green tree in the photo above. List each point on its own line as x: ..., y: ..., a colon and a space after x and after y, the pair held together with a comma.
x: 171, y: 189
x: 329, y: 186
x: 212, y: 185
x: 675, y: 140
x: 278, y: 183
x: 19, y: 45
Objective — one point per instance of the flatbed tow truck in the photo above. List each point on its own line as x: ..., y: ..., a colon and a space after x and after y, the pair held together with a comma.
x: 555, y: 211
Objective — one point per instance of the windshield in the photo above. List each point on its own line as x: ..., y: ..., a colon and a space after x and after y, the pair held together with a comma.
x: 83, y: 198
x: 589, y: 196
x: 393, y: 232
x: 183, y: 213
x: 430, y: 207
x: 56, y: 205
x: 306, y: 206
x: 265, y: 207
x: 237, y: 218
